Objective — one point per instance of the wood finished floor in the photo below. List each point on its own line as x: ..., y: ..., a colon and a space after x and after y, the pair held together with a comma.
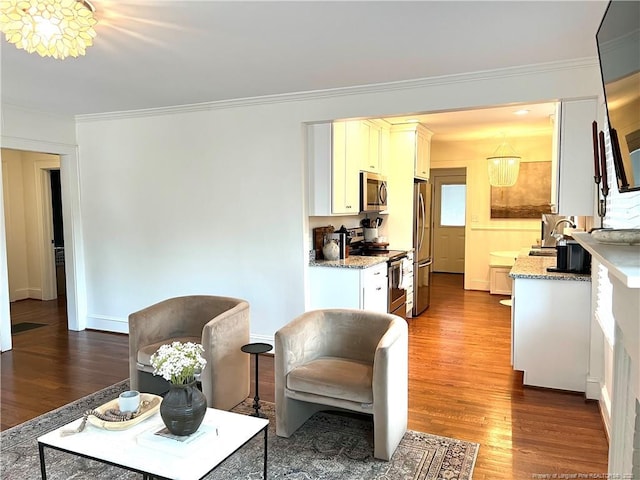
x: 461, y: 384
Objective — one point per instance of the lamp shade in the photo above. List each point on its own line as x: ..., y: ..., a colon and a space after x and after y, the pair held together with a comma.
x: 50, y: 28
x: 503, y: 167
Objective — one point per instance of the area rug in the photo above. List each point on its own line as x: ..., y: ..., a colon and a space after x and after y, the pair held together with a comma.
x: 24, y: 326
x: 329, y: 446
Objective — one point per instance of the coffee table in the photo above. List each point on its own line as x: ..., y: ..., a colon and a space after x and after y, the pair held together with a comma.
x: 138, y: 450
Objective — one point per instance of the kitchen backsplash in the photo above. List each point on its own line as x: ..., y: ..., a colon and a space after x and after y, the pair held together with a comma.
x: 350, y: 221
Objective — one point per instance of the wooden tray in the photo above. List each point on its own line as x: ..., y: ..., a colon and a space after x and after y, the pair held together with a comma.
x: 146, y: 411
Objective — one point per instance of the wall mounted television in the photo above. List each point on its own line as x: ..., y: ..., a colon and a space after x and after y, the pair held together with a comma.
x: 618, y: 40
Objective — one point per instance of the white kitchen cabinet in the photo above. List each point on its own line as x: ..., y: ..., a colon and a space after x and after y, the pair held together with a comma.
x: 572, y: 185
x: 414, y: 140
x: 374, y: 142
x: 385, y: 150
x: 334, y: 168
x: 500, y: 263
x: 550, y: 325
x: 423, y: 152
x: 361, y: 288
x: 499, y: 280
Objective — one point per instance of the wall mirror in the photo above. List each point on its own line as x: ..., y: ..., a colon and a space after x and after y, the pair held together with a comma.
x: 618, y: 40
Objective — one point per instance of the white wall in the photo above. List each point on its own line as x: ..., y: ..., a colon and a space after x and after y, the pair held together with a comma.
x: 212, y: 199
x: 483, y: 234
x: 16, y: 230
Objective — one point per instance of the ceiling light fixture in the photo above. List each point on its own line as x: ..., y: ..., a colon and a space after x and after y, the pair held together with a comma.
x: 51, y: 28
x: 522, y: 111
x: 503, y: 166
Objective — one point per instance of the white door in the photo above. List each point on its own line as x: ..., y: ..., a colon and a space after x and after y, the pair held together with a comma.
x: 448, y: 222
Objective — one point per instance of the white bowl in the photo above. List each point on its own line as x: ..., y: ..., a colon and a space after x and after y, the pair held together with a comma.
x: 622, y: 236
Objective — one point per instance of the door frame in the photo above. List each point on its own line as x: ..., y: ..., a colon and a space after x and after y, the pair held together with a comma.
x: 436, y: 200
x: 74, y: 254
x: 44, y: 212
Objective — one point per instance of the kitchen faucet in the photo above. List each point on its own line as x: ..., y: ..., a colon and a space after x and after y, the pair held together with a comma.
x: 555, y: 234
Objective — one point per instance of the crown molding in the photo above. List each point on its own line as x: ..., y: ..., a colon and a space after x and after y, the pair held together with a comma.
x: 39, y: 146
x: 346, y: 91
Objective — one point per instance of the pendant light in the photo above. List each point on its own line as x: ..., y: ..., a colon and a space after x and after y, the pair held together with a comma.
x: 50, y: 28
x: 503, y: 166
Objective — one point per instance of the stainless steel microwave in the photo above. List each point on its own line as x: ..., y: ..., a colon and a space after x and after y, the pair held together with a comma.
x: 373, y: 192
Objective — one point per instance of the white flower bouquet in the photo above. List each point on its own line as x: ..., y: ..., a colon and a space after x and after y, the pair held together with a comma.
x: 178, y: 362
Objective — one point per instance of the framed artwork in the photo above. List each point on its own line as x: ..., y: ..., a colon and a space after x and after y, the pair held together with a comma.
x: 530, y: 197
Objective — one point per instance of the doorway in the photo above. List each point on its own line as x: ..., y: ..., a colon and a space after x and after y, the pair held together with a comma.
x: 32, y: 196
x: 66, y: 161
x: 449, y: 214
x: 58, y: 232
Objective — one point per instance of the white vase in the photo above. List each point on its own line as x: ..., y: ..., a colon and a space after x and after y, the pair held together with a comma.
x: 331, y: 250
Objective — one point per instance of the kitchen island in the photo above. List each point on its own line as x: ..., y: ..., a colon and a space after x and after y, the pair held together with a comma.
x: 550, y: 324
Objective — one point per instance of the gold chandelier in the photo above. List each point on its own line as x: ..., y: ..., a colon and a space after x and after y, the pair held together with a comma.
x: 503, y: 166
x: 51, y: 28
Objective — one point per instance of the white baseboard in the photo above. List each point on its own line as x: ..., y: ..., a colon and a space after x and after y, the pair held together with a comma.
x: 605, y: 410
x: 107, y: 324
x: 119, y: 325
x: 593, y: 388
x: 477, y: 285
x: 19, y: 294
x: 35, y: 293
x: 24, y: 293
x: 255, y: 338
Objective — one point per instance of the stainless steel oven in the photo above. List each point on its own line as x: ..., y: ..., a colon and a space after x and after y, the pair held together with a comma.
x: 397, y: 296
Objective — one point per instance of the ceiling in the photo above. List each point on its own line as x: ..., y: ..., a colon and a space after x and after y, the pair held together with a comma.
x: 160, y: 53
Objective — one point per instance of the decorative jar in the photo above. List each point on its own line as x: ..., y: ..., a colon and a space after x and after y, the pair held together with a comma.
x: 183, y: 408
x: 331, y: 250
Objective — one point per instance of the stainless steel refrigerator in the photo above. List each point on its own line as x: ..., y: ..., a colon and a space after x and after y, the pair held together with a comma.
x: 422, y: 258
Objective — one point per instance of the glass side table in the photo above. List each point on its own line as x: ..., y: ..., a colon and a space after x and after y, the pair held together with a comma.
x: 256, y: 349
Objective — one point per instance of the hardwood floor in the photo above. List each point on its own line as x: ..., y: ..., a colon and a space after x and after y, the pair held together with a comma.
x: 51, y: 366
x: 461, y: 384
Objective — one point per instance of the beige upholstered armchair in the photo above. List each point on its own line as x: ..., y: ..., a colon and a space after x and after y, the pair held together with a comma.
x: 344, y: 359
x: 220, y: 324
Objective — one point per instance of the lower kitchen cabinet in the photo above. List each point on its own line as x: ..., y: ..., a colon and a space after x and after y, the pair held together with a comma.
x: 361, y: 288
x: 550, y: 325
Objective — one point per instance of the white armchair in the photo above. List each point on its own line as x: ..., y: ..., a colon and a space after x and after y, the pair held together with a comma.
x: 344, y: 359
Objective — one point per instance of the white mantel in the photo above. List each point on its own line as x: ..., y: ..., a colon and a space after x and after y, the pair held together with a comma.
x: 623, y: 264
x: 622, y: 261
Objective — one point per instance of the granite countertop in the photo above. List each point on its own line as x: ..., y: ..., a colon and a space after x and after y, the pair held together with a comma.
x: 536, y: 267
x: 354, y: 261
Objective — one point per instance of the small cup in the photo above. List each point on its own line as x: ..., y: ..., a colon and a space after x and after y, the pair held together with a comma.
x: 129, y: 401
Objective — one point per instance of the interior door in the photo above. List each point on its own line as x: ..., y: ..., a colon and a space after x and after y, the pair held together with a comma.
x: 449, y: 223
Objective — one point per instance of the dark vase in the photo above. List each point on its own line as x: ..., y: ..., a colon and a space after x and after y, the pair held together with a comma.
x: 183, y: 408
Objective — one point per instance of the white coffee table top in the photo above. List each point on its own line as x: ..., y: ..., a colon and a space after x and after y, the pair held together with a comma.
x: 220, y: 434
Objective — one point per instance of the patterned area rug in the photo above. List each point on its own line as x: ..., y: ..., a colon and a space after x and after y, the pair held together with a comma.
x: 328, y: 446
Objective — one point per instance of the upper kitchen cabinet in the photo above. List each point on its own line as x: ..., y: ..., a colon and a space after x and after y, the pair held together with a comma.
x: 336, y: 153
x: 572, y: 184
x: 414, y: 140
x: 334, y: 168
x: 374, y: 145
